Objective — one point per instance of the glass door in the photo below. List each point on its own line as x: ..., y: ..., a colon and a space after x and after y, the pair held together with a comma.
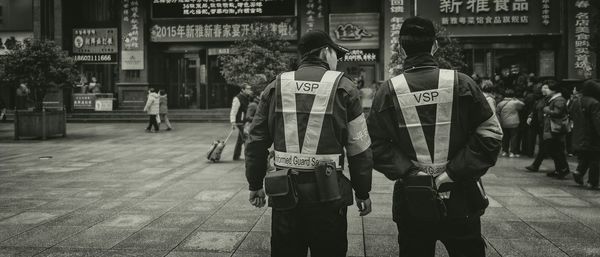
x: 189, y: 84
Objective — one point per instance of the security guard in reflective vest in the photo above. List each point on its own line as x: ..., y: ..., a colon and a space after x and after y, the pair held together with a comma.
x: 435, y: 134
x: 311, y: 116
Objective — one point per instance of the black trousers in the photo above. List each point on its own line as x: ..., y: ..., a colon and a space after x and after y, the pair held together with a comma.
x: 510, y: 140
x: 542, y: 150
x: 152, y: 122
x: 556, y: 150
x: 461, y: 237
x: 322, y: 230
x: 588, y: 160
x: 237, y: 151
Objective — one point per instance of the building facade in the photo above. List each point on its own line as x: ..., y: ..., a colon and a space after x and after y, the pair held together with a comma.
x: 130, y: 45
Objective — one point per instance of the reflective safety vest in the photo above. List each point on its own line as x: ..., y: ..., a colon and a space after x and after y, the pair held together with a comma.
x: 306, y: 155
x: 433, y: 163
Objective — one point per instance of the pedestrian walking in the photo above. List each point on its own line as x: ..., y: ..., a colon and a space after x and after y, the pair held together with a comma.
x: 237, y: 117
x: 3, y: 107
x: 536, y: 121
x: 163, y: 109
x: 252, y: 108
x: 556, y: 126
x: 438, y: 146
x: 526, y: 132
x: 508, y: 113
x: 152, y: 108
x: 487, y: 87
x: 585, y: 114
x: 308, y: 191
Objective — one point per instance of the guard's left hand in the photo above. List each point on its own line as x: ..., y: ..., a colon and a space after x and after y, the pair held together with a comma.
x: 547, y: 109
x: 258, y: 198
x: 440, y: 181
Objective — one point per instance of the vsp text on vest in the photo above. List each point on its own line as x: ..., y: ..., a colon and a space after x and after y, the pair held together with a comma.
x: 307, y: 87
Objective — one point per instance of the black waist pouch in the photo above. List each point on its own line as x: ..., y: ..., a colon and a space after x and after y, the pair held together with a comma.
x: 422, y: 200
x: 281, y: 190
x: 477, y: 198
x: 326, y: 178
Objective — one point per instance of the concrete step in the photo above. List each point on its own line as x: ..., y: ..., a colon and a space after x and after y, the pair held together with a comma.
x: 211, y: 115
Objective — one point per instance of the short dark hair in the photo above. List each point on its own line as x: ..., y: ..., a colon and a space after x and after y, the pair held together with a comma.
x: 509, y: 93
x: 162, y: 92
x: 487, y: 86
x: 416, y: 45
x: 552, y: 85
x: 416, y: 35
x: 153, y: 90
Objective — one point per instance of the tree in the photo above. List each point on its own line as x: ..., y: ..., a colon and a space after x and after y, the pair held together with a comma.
x: 42, y: 65
x: 256, y: 59
x: 448, y: 56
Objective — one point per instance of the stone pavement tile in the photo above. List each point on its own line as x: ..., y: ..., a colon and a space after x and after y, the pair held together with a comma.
x: 355, y: 224
x: 154, y: 207
x: 495, y: 191
x: 538, y: 214
x: 127, y: 221
x: 381, y: 245
x: 68, y: 204
x: 498, y: 213
x: 230, y: 223
x: 493, y: 202
x: 42, y: 236
x: 29, y: 218
x: 201, y: 254
x: 178, y: 220
x: 566, y: 201
x: 519, y: 201
x: 547, y: 191
x: 68, y: 252
x: 109, y: 205
x: 379, y: 226
x: 356, y: 245
x: 579, y: 247
x: 257, y: 243
x: 212, y: 241
x: 163, y: 238
x: 264, y: 224
x: 81, y: 218
x: 97, y: 237
x: 507, y: 230
x: 134, y: 253
x: 200, y: 207
x: 215, y: 195
x: 526, y: 248
x: 585, y: 215
x: 563, y: 229
x: 152, y: 171
x: 9, y: 204
x: 19, y: 251
x: 7, y: 214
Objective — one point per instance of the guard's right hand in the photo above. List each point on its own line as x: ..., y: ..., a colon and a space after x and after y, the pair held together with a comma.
x: 364, y: 206
x: 258, y: 198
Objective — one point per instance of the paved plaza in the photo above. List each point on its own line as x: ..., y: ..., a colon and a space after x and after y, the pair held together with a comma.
x: 113, y: 190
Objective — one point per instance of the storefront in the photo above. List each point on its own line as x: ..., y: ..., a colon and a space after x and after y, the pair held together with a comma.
x: 498, y: 35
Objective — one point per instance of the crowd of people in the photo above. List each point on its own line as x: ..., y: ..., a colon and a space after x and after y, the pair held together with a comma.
x: 560, y: 118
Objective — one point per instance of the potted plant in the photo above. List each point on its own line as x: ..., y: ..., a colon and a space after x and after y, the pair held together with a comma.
x: 41, y: 66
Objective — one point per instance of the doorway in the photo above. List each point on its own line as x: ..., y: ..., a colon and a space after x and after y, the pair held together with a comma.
x: 187, y: 81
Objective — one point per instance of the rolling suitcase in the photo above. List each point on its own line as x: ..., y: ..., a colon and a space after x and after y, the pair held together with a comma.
x: 216, y: 149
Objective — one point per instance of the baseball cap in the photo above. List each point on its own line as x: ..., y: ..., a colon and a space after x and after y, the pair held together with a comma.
x: 417, y: 28
x: 315, y: 40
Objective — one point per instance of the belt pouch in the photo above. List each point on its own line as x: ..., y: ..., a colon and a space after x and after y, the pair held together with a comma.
x: 327, y: 181
x: 422, y: 200
x: 281, y: 190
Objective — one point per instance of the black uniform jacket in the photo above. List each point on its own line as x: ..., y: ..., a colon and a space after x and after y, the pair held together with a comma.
x: 585, y: 114
x: 475, y: 133
x: 347, y: 107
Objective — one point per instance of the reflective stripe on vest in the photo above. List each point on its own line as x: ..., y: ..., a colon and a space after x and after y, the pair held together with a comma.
x: 442, y: 97
x: 322, y: 91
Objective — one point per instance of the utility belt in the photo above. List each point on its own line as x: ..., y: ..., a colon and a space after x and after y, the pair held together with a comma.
x: 423, y: 202
x: 287, y: 187
x: 307, y: 162
x: 433, y: 169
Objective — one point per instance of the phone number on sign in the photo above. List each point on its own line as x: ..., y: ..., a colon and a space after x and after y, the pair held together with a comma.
x: 93, y: 58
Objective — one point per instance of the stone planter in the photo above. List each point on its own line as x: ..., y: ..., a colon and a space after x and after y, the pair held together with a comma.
x: 40, y: 124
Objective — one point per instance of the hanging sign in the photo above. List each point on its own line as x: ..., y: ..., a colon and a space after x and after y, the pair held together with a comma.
x: 132, y: 29
x: 222, y: 8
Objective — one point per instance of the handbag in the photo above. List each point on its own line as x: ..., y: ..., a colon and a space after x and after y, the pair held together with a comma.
x: 560, y: 125
x: 158, y: 118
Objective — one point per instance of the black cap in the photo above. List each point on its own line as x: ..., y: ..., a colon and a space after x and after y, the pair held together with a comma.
x: 418, y: 28
x: 315, y: 40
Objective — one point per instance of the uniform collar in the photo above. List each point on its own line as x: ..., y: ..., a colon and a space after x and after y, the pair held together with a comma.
x: 312, y: 61
x: 419, y: 60
x: 555, y: 96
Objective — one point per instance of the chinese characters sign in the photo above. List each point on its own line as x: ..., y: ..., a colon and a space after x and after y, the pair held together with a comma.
x: 95, y: 41
x: 222, y: 8
x: 494, y: 17
x: 361, y: 55
x: 580, y: 56
x: 395, y: 11
x: 355, y: 30
x: 198, y: 31
x: 132, y: 29
x: 312, y: 15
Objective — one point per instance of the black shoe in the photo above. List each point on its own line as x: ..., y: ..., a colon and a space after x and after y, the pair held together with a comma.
x: 552, y: 174
x: 532, y: 168
x: 578, y: 178
x: 168, y: 129
x: 561, y: 174
x: 593, y: 187
x: 148, y: 130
